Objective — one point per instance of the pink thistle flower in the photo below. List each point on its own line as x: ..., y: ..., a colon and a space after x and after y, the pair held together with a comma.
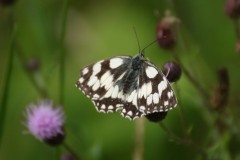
x: 45, y: 122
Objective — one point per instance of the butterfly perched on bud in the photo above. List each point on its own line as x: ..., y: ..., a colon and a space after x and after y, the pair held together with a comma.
x: 132, y: 85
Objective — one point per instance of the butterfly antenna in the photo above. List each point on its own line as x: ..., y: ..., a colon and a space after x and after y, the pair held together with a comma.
x: 135, y: 32
x: 149, y: 45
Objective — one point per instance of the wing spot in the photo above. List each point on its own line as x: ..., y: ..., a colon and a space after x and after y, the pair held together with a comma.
x: 149, y: 88
x: 134, y: 102
x: 81, y: 80
x: 169, y: 94
x: 103, y: 106
x: 149, y: 99
x: 115, y: 62
x: 143, y: 91
x: 130, y: 98
x: 85, y: 71
x: 161, y: 87
x: 130, y: 113
x: 92, y: 81
x: 110, y: 107
x: 108, y: 83
x: 115, y: 92
x: 96, y: 96
x: 142, y: 108
x: 166, y: 103
x: 104, y: 77
x: 109, y: 93
x: 155, y: 98
x: 97, y: 68
x: 96, y: 85
x: 151, y: 72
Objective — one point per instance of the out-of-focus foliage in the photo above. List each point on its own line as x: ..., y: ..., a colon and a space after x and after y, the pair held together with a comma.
x: 95, y: 30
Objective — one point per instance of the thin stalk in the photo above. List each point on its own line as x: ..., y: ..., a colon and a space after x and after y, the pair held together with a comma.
x: 187, y: 142
x: 237, y: 30
x: 181, y: 115
x: 6, y: 86
x: 62, y: 52
x: 70, y: 150
x: 190, y: 77
x: 139, y: 140
x: 41, y: 90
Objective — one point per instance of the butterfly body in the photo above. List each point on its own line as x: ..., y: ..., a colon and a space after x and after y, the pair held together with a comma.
x: 131, y: 84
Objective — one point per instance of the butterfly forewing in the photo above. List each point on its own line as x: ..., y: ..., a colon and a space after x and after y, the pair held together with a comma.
x: 98, y: 82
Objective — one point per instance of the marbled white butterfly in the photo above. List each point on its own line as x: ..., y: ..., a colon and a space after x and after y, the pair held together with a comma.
x: 132, y: 85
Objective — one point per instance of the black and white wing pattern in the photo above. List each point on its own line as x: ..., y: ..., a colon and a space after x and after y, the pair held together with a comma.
x: 98, y: 82
x: 130, y: 84
x: 155, y: 93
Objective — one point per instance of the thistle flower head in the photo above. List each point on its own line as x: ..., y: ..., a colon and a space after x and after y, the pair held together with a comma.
x: 45, y: 122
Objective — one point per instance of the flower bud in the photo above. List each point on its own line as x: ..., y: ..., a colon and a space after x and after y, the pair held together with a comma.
x: 55, y: 139
x: 68, y: 156
x: 172, y: 71
x: 6, y: 2
x: 232, y: 8
x: 157, y: 116
x: 220, y: 93
x: 32, y: 65
x: 238, y: 46
x: 166, y: 31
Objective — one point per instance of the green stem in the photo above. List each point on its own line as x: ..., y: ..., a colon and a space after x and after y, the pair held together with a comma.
x: 184, y: 141
x: 181, y: 115
x: 41, y: 90
x: 139, y: 139
x: 190, y: 77
x: 62, y: 52
x: 70, y: 150
x: 236, y: 26
x: 6, y: 86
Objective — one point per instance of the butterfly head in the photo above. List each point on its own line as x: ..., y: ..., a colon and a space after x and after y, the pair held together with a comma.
x: 141, y: 54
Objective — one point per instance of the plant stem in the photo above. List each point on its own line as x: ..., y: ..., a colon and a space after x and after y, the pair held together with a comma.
x: 139, y: 140
x: 236, y: 26
x: 6, y: 86
x: 41, y: 90
x: 190, y: 77
x: 62, y: 52
x: 184, y: 141
x: 70, y: 150
x: 181, y: 115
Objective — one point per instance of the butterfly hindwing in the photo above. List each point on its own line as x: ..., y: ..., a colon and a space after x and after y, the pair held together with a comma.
x: 155, y: 93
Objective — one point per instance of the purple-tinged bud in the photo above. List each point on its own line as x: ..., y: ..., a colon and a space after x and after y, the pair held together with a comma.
x: 32, y: 65
x: 166, y: 31
x: 238, y: 47
x: 6, y: 2
x: 68, y: 156
x: 220, y: 93
x: 172, y: 71
x: 157, y: 116
x: 232, y: 8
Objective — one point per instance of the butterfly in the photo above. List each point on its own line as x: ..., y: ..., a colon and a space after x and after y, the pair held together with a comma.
x: 132, y: 85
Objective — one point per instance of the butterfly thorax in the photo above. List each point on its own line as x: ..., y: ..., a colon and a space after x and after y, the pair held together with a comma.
x: 130, y: 80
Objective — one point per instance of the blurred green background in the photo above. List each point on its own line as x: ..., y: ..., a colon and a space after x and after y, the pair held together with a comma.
x: 100, y: 29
